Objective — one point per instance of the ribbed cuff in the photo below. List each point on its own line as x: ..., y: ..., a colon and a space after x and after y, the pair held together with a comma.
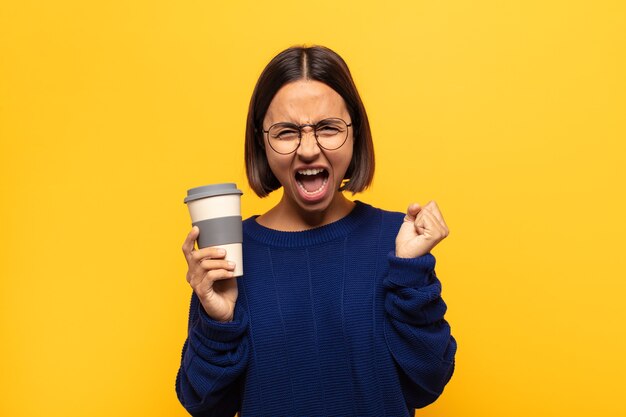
x: 224, y: 332
x: 411, y: 272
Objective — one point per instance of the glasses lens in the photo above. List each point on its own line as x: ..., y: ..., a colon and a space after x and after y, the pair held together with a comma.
x: 284, y: 137
x: 331, y: 133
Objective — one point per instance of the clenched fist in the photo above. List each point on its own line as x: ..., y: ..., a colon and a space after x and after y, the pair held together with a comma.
x: 422, y: 229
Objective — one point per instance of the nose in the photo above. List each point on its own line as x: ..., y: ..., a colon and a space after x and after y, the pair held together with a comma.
x: 308, y: 149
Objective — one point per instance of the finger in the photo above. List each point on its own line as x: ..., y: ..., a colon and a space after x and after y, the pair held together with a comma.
x: 431, y: 206
x: 423, y: 224
x: 419, y: 223
x: 412, y: 211
x: 204, y: 282
x: 208, y: 253
x: 434, y: 209
x: 209, y: 264
x: 198, y: 271
x: 219, y: 274
x: 190, y: 240
x: 419, y: 216
x: 433, y: 225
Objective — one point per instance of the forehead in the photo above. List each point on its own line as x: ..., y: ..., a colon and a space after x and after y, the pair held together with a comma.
x: 305, y: 101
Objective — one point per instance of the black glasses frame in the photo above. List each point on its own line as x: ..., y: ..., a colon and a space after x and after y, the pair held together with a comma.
x: 300, y: 127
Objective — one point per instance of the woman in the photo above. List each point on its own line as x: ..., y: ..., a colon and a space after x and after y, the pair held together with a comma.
x: 339, y: 310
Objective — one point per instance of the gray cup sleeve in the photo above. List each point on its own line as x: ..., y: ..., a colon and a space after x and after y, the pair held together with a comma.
x: 220, y: 231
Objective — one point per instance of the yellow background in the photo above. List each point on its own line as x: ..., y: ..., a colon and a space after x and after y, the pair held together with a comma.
x: 510, y: 114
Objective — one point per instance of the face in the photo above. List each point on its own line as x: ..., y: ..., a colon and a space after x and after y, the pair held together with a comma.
x: 310, y: 176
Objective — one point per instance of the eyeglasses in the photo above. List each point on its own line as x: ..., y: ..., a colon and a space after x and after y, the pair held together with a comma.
x: 330, y: 134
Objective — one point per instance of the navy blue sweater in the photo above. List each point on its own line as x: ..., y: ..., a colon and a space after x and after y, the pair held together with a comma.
x: 328, y: 323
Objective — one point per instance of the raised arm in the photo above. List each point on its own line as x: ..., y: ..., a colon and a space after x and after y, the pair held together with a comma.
x: 416, y: 332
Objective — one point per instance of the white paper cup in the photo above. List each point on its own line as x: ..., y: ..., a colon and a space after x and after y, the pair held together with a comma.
x: 216, y: 210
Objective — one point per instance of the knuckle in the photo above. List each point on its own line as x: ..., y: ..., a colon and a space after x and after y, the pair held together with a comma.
x: 193, y: 283
x: 192, y: 275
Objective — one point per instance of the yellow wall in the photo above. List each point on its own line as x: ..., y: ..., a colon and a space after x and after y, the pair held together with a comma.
x: 510, y: 114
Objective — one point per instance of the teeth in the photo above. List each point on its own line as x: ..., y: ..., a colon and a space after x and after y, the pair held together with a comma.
x: 313, y: 192
x: 310, y: 171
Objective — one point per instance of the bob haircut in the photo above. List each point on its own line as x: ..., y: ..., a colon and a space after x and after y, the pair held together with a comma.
x: 316, y: 63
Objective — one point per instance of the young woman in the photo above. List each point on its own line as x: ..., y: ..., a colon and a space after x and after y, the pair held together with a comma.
x: 339, y: 311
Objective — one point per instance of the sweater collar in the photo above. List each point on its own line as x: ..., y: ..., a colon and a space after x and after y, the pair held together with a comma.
x: 335, y: 230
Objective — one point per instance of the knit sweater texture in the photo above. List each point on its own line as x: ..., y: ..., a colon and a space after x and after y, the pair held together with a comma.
x: 328, y: 322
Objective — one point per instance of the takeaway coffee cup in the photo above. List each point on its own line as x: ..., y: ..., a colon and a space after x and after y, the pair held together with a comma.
x: 216, y: 210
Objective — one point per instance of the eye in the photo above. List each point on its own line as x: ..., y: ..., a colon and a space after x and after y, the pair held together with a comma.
x: 329, y: 128
x: 284, y: 133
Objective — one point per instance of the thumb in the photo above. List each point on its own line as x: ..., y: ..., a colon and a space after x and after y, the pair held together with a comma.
x: 411, y: 212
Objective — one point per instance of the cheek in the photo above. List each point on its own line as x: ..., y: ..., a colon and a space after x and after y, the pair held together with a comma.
x: 347, y: 159
x: 279, y: 166
x: 346, y: 156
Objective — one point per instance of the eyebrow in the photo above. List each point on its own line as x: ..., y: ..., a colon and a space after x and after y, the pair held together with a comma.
x: 312, y: 123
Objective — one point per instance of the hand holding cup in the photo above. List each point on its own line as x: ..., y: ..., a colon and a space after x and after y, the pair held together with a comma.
x: 215, y: 212
x: 211, y: 277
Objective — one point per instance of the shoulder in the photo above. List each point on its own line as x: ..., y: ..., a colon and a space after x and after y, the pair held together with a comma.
x: 386, y: 216
x: 387, y: 222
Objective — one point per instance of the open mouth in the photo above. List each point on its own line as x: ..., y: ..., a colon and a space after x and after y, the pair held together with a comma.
x: 312, y: 181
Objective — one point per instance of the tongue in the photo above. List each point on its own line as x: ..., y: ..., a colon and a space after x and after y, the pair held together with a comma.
x: 311, y: 182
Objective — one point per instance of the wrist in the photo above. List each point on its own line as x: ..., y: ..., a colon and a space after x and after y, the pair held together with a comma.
x: 408, y: 253
x: 217, y: 316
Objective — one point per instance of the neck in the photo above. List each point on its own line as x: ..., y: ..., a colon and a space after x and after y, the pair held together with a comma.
x: 289, y: 217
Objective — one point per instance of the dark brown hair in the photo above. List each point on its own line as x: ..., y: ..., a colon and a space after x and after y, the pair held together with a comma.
x: 307, y: 63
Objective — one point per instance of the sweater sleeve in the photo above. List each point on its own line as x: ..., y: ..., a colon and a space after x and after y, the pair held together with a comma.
x: 415, y: 330
x: 214, y: 359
